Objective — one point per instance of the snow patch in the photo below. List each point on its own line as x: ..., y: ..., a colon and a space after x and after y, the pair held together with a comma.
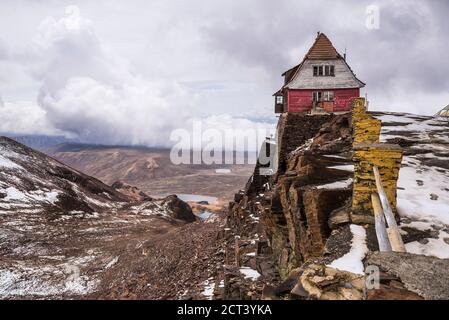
x: 337, y: 185
x: 112, y: 263
x: 353, y: 260
x: 414, y: 200
x: 423, y: 191
x: 6, y: 163
x: 26, y: 281
x: 435, y: 247
x: 348, y: 167
x: 250, y: 273
x: 209, y: 287
x: 15, y: 194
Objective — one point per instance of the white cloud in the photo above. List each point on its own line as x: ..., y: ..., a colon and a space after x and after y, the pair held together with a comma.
x: 24, y: 117
x: 135, y: 112
x: 87, y: 91
x: 130, y: 72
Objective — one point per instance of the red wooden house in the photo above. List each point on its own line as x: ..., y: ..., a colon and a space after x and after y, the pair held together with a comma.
x: 322, y: 81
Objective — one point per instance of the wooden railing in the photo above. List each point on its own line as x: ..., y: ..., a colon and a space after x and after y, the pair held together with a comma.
x: 389, y: 239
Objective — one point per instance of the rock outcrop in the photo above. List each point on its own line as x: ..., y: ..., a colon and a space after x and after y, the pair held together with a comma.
x: 325, y: 283
x: 410, y: 276
x: 134, y: 193
x: 284, y: 221
x: 297, y: 231
x: 178, y: 209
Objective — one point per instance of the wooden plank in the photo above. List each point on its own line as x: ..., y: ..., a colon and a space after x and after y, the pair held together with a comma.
x: 380, y: 225
x: 393, y: 231
x: 381, y: 229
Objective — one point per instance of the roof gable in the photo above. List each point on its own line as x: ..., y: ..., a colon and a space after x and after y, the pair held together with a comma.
x: 322, y: 49
x: 344, y: 78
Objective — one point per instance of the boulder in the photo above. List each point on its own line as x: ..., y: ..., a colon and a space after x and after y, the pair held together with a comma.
x: 178, y: 209
x: 338, y: 217
x: 424, y: 276
x: 326, y: 283
x: 133, y: 193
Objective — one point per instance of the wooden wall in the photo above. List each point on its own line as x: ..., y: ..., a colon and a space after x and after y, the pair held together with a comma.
x: 301, y: 100
x: 343, y: 79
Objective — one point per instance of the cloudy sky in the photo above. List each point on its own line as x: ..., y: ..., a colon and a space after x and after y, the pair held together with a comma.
x: 130, y: 72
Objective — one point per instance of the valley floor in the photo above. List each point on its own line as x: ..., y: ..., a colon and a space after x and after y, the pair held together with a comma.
x: 152, y: 171
x: 66, y: 235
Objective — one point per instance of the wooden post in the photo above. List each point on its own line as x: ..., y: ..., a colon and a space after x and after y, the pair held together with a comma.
x: 393, y: 231
x: 381, y: 230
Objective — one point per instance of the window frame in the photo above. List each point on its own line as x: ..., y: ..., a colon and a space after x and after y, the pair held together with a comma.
x: 318, y: 95
x: 328, y: 96
x: 325, y: 70
x: 280, y: 98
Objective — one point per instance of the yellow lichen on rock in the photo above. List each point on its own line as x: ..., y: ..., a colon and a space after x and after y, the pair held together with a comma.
x: 367, y: 130
x: 368, y: 152
x: 365, y: 127
x: 388, y: 158
x: 358, y: 109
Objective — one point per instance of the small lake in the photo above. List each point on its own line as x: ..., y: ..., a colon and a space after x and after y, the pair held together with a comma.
x: 223, y: 171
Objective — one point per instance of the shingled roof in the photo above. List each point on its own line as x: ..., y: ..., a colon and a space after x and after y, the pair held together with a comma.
x: 322, y: 49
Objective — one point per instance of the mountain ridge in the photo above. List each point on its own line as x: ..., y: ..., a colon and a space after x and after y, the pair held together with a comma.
x: 63, y: 232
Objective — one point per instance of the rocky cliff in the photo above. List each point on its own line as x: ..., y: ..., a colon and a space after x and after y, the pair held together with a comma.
x: 293, y: 235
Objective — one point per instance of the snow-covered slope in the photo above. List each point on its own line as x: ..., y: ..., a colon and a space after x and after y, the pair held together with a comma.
x: 30, y: 180
x: 61, y: 230
x: 423, y: 186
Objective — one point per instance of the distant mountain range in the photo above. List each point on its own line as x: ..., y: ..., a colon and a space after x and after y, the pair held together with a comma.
x: 38, y: 142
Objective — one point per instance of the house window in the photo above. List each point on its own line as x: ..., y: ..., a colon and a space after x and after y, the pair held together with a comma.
x: 326, y: 70
x: 317, y: 95
x: 317, y: 71
x: 279, y: 99
x: 328, y: 96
